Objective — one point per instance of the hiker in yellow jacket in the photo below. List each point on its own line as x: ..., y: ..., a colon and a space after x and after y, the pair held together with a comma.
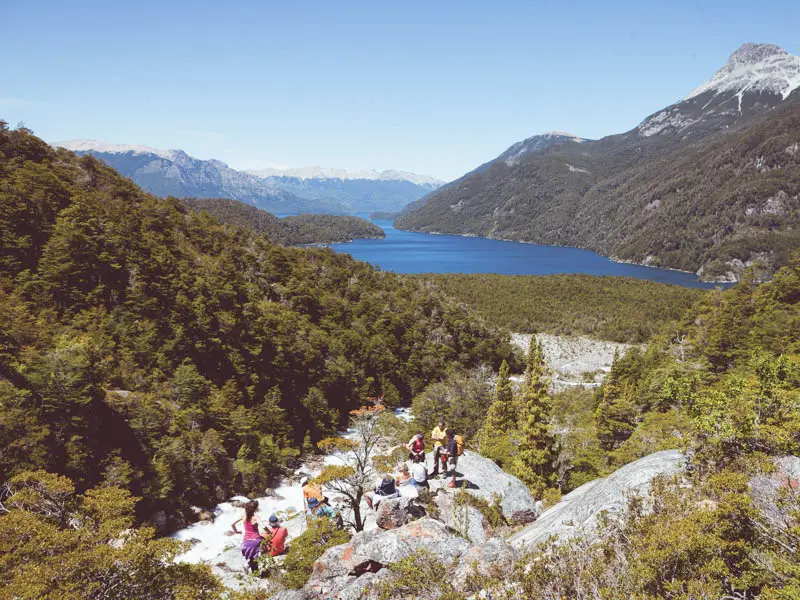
x: 438, y: 436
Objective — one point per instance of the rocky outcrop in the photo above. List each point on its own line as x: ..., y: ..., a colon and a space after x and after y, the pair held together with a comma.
x: 463, y: 519
x: 577, y: 513
x: 346, y: 571
x: 396, y: 512
x: 481, y: 477
x: 491, y: 558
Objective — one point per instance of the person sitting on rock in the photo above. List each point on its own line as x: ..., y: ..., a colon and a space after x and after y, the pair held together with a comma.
x: 403, y: 476
x: 438, y: 435
x: 276, y: 543
x: 451, y: 450
x: 419, y: 475
x: 320, y: 510
x: 251, y: 541
x: 385, y: 489
x: 416, y: 448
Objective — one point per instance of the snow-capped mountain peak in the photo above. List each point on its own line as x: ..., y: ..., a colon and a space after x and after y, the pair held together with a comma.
x: 99, y: 146
x: 757, y: 68
x: 318, y: 172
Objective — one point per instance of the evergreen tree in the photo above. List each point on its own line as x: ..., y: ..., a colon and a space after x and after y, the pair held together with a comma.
x: 616, y: 410
x: 534, y: 462
x: 496, y: 437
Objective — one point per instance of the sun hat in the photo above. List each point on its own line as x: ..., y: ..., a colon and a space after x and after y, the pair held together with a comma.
x: 312, y: 502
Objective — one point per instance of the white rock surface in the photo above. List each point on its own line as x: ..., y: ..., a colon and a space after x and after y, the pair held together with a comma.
x: 486, y: 480
x: 571, y: 356
x: 577, y: 513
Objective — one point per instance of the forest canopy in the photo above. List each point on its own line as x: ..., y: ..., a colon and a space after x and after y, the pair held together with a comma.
x: 149, y: 347
x: 619, y: 309
x: 291, y: 230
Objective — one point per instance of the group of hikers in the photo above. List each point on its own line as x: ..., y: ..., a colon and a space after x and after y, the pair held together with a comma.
x: 271, y: 538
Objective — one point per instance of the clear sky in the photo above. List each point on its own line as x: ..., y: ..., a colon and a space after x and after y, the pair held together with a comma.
x: 435, y: 87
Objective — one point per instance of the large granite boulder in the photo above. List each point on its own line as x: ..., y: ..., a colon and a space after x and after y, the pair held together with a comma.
x: 577, y: 513
x: 464, y: 520
x: 481, y: 477
x: 491, y: 558
x: 341, y: 569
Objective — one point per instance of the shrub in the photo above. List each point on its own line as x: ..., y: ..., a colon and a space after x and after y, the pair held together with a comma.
x: 490, y: 510
x: 420, y: 576
x: 306, y: 549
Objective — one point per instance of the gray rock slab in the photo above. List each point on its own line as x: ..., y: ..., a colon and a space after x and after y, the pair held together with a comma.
x: 577, y: 513
x: 481, y: 477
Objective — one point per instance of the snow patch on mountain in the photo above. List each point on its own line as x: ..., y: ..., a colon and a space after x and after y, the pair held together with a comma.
x: 671, y: 118
x: 86, y: 145
x: 755, y: 68
x: 318, y: 172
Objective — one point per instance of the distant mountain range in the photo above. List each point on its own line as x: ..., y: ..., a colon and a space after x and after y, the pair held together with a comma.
x: 306, y: 190
x: 710, y: 184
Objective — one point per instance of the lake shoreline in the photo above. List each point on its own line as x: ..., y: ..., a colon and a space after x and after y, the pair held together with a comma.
x: 405, y: 253
x: 611, y: 258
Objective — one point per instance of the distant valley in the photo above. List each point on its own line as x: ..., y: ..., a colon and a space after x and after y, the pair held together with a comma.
x: 710, y: 184
x: 290, y: 191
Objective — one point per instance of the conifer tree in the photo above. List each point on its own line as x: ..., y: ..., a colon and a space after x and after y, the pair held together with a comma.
x: 534, y: 462
x: 615, y: 413
x: 496, y: 436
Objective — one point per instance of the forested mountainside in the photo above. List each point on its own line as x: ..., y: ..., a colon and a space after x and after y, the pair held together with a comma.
x: 147, y: 346
x: 293, y: 230
x: 708, y: 185
x: 618, y: 309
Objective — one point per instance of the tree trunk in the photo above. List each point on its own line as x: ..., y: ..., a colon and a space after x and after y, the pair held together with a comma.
x: 357, y: 511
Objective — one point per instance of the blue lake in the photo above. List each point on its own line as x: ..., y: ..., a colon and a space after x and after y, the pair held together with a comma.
x: 406, y: 252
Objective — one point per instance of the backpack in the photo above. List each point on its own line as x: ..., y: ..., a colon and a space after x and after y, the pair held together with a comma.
x: 386, y: 487
x: 460, y: 444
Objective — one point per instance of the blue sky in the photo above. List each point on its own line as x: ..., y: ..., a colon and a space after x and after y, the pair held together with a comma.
x: 435, y: 87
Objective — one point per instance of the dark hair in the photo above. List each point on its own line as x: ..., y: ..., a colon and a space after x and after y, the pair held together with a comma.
x: 250, y: 509
x: 420, y: 434
x: 451, y: 432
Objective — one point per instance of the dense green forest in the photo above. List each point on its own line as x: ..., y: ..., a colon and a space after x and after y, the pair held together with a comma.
x: 609, y: 308
x: 721, y: 383
x: 149, y: 347
x: 293, y: 230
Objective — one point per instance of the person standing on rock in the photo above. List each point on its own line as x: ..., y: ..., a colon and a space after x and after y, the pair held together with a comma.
x: 451, y: 450
x: 251, y: 542
x: 438, y: 435
x: 311, y: 491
